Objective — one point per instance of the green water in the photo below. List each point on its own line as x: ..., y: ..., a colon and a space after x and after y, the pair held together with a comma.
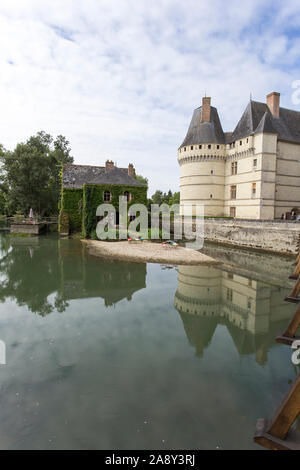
x: 107, y: 355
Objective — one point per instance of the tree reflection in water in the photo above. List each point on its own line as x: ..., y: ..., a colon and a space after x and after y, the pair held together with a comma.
x: 45, y: 273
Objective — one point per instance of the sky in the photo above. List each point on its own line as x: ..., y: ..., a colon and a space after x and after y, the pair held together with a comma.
x: 121, y: 78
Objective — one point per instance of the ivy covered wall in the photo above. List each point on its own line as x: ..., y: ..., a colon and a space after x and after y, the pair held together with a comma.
x: 93, y: 196
x: 71, y: 204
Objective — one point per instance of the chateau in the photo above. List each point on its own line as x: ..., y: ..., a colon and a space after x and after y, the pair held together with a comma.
x: 252, y: 172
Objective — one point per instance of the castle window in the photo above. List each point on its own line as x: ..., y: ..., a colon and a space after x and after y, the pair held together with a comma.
x: 218, y: 146
x: 107, y: 196
x: 232, y: 212
x: 255, y: 163
x: 232, y: 192
x: 253, y: 189
x: 241, y: 142
x: 249, y: 303
x: 185, y: 149
x: 200, y: 147
x: 211, y: 196
x: 234, y: 168
x: 211, y: 172
x: 192, y: 147
x: 209, y: 146
x: 229, y: 294
x: 247, y: 141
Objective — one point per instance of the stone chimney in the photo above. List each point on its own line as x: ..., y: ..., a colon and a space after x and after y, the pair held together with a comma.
x: 109, y: 165
x: 205, y: 114
x: 131, y: 170
x: 273, y: 100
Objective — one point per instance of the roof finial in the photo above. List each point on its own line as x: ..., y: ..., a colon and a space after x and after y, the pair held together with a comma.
x: 250, y: 96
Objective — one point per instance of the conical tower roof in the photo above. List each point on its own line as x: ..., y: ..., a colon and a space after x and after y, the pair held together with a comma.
x: 204, y: 132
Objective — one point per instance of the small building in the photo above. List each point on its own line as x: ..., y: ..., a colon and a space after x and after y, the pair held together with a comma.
x: 85, y: 187
x: 252, y: 172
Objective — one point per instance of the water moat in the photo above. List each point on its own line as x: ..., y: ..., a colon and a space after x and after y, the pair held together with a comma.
x: 112, y: 355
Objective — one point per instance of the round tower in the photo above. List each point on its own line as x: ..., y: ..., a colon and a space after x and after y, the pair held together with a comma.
x: 202, y: 163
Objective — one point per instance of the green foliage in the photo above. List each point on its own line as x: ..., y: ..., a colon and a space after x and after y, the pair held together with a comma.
x: 93, y: 235
x: 93, y: 197
x: 31, y: 174
x: 71, y: 203
x: 141, y: 179
x: 164, y: 198
x: 63, y: 223
x: 3, y: 198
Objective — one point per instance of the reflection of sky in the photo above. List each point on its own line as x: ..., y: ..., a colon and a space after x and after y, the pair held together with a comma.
x: 127, y: 377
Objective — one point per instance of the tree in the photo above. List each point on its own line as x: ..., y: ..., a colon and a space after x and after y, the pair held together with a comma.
x: 175, y: 198
x: 2, y: 202
x: 157, y: 197
x: 141, y: 179
x: 31, y: 173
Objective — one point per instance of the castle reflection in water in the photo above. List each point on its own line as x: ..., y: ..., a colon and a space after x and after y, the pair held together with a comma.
x: 253, y: 311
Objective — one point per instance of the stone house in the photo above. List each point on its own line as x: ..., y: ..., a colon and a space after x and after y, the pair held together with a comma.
x: 252, y: 172
x: 85, y: 187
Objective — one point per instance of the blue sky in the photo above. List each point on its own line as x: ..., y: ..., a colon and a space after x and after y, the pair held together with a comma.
x: 120, y: 79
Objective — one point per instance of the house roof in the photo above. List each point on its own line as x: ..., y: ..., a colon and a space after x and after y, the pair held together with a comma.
x: 75, y: 176
x: 257, y: 118
x: 204, y: 132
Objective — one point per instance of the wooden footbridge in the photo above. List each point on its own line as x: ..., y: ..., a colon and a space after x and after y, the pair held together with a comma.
x: 27, y: 225
x: 277, y: 434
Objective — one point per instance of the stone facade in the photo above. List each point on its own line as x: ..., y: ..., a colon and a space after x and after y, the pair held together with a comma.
x: 253, y: 172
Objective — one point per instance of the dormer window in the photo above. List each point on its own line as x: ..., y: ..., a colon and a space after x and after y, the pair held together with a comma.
x: 209, y: 146
x: 218, y: 146
x: 200, y: 147
x: 241, y: 142
x: 192, y: 147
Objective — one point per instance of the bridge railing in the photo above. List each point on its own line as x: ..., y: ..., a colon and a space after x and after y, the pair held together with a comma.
x: 29, y: 220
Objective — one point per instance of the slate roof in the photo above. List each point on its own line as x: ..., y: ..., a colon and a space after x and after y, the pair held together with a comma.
x: 75, y: 176
x: 204, y: 132
x: 258, y: 118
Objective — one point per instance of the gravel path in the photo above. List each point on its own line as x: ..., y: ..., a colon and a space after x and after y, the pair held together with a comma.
x: 147, y: 252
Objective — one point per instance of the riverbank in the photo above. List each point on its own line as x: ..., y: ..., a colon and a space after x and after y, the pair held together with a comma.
x: 148, y: 252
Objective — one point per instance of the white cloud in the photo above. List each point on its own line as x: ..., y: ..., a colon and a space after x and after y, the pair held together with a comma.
x: 121, y: 78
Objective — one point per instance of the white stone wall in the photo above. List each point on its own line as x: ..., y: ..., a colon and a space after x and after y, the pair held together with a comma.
x: 206, y: 177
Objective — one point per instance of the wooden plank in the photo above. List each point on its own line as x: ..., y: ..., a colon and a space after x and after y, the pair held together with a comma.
x: 287, y: 412
x: 293, y: 326
x: 296, y: 289
x: 263, y: 438
x: 288, y: 340
x: 294, y: 300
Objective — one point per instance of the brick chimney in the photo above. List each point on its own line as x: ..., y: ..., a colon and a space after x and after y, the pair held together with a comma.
x: 273, y: 100
x: 205, y: 114
x: 109, y: 164
x: 131, y: 170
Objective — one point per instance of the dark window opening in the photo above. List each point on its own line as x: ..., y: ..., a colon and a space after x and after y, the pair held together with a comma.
x: 127, y: 195
x: 107, y: 196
